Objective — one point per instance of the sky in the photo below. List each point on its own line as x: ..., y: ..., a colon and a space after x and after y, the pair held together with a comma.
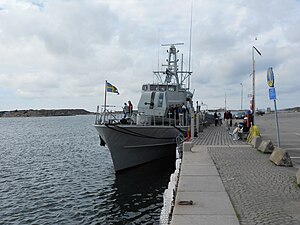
x: 58, y: 53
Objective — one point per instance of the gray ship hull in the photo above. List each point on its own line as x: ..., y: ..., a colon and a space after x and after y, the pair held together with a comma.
x: 132, y: 145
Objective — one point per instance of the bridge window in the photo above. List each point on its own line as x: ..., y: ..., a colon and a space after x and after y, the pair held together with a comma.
x: 162, y: 88
x: 171, y: 88
x: 152, y: 100
x: 160, y: 99
x: 145, y: 87
x: 153, y: 87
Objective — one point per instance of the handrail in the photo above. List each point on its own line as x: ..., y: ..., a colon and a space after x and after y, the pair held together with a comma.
x: 117, y: 117
x: 110, y: 115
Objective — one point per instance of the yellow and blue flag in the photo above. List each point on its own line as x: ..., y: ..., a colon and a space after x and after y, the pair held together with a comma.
x: 111, y: 88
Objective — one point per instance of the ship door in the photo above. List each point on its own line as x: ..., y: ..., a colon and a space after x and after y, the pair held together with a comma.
x: 152, y: 100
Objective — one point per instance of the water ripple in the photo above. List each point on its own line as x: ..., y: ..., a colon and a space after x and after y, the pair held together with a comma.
x: 53, y: 171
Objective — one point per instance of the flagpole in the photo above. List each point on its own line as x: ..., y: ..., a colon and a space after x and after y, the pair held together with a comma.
x: 105, y: 93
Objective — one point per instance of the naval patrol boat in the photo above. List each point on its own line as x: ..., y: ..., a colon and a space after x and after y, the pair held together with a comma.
x: 161, y: 121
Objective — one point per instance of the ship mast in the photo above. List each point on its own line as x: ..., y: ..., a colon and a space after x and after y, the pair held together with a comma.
x: 172, y: 67
x: 190, y: 47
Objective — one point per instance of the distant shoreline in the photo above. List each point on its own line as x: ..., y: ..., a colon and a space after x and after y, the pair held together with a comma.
x: 74, y: 112
x: 44, y: 112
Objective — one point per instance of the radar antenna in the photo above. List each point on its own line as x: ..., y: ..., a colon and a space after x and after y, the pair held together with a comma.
x: 180, y: 43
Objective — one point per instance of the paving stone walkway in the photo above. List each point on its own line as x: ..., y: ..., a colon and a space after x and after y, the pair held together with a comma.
x: 261, y: 193
x: 216, y: 135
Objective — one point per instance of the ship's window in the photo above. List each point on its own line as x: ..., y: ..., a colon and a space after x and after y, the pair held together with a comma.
x: 162, y: 87
x: 160, y: 99
x: 152, y: 100
x: 171, y: 88
x: 153, y: 87
x: 145, y: 87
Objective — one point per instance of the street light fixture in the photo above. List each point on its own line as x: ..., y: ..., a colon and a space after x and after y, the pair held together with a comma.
x: 253, y: 82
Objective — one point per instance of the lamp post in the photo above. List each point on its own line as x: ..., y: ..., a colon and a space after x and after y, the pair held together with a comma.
x: 253, y: 82
x: 225, y: 103
x: 241, y: 96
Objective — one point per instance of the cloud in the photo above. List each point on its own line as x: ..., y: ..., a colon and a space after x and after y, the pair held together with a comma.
x: 58, y: 50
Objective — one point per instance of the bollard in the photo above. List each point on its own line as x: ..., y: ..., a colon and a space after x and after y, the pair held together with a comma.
x: 198, y: 123
x: 187, y: 146
x: 192, y: 125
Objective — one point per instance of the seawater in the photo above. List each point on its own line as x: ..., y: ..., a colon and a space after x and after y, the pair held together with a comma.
x: 53, y: 171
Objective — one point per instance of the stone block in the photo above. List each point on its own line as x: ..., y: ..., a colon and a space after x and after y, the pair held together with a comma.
x: 280, y: 157
x: 187, y: 146
x: 266, y: 147
x: 256, y: 141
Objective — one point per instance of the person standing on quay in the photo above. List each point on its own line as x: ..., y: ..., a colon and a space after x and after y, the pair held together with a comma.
x: 125, y: 110
x: 226, y: 119
x: 216, y: 118
x: 130, y: 107
x: 230, y: 118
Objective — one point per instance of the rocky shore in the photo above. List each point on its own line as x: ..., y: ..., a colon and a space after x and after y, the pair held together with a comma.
x: 44, y: 112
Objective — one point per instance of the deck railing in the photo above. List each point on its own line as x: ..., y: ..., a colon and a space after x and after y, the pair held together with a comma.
x: 172, y: 119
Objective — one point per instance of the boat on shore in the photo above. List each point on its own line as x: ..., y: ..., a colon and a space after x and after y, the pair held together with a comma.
x: 160, y: 123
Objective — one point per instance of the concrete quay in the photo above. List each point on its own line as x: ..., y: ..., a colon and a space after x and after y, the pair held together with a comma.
x: 229, y: 182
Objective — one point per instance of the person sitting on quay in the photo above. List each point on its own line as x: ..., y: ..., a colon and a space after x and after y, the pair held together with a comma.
x: 237, y: 131
x: 245, y: 124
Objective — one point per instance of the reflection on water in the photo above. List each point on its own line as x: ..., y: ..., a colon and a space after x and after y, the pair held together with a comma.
x: 144, y: 186
x: 135, y: 196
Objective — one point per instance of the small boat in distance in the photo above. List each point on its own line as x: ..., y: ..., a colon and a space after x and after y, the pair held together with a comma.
x: 161, y: 121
